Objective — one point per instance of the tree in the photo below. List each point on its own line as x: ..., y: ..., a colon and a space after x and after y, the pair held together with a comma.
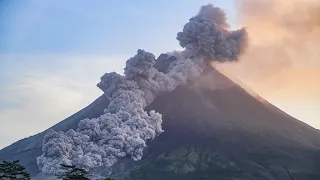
x: 73, y: 173
x: 288, y: 172
x: 13, y: 171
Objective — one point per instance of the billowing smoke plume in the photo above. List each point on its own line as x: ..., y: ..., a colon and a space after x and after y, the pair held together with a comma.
x: 125, y: 127
x: 205, y: 35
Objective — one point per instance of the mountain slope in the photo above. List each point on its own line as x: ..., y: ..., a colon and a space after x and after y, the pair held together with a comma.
x: 213, y: 129
x: 226, y: 133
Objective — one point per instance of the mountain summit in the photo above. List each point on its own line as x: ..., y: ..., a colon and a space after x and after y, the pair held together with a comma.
x: 213, y: 128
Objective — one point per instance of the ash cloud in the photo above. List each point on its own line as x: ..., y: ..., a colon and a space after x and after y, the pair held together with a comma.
x: 125, y: 127
x: 282, y: 61
x: 206, y: 35
x: 284, y: 34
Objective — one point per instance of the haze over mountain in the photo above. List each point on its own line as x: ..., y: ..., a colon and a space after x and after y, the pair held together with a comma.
x: 282, y: 61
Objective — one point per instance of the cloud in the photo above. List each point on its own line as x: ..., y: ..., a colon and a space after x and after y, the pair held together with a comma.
x: 37, y: 91
x: 284, y: 42
x: 282, y: 63
x: 283, y: 34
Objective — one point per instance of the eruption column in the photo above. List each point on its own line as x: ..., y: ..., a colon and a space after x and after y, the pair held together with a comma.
x: 125, y: 127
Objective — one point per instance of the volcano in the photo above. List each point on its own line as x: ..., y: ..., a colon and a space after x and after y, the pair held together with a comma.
x: 177, y: 117
x: 213, y: 129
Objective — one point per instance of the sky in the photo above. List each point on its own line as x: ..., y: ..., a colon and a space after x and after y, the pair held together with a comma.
x: 53, y: 52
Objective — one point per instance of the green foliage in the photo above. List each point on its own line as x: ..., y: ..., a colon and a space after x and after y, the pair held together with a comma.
x: 13, y: 171
x: 73, y: 173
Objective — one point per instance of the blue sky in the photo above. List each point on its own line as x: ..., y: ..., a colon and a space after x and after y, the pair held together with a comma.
x: 53, y: 52
x: 103, y: 27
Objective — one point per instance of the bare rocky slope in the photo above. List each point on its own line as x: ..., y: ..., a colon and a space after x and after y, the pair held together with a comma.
x: 214, y: 129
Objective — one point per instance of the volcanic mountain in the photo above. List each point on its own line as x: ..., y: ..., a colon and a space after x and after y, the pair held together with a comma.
x: 213, y: 129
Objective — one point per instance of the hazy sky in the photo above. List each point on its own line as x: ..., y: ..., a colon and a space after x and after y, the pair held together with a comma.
x: 53, y: 52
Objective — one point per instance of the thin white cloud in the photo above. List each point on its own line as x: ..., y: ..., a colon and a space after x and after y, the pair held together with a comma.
x: 33, y: 98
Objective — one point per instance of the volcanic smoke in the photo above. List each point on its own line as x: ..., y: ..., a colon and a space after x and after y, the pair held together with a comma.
x: 125, y: 127
x: 283, y: 53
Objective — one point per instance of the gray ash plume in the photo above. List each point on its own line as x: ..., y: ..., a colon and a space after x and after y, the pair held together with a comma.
x: 125, y: 127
